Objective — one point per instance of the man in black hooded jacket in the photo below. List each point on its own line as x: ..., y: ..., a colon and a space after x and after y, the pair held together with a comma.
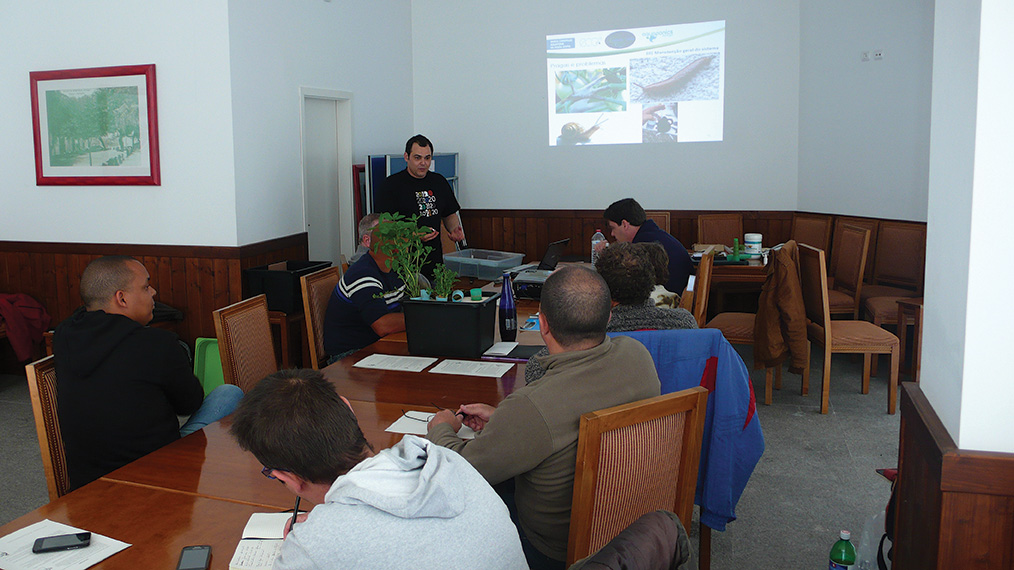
x: 122, y: 384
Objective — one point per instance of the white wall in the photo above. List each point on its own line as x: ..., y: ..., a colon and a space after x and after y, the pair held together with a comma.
x: 864, y: 126
x: 187, y: 40
x: 965, y: 369
x: 480, y: 89
x: 277, y: 46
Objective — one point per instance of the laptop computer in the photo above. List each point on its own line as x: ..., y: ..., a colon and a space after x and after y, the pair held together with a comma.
x: 528, y: 279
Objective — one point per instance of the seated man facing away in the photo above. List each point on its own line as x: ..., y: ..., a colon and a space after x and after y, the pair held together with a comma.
x: 532, y: 435
x: 121, y: 384
x: 366, y: 225
x: 629, y: 223
x: 415, y: 505
x: 630, y: 276
x: 364, y: 306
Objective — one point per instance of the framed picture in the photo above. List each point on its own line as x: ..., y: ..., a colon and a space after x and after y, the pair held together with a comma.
x: 96, y: 126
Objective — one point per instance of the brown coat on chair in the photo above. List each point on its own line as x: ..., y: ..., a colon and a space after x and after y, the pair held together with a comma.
x: 780, y: 327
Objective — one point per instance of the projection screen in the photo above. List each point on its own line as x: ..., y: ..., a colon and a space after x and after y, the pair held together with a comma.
x: 643, y: 85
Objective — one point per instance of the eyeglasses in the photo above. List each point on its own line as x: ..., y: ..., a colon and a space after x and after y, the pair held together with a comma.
x: 267, y: 472
x: 427, y: 417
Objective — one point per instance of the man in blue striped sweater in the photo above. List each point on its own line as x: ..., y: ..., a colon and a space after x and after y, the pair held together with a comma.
x: 364, y: 306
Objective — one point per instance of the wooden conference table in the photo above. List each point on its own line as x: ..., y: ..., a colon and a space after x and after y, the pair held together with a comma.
x: 202, y: 488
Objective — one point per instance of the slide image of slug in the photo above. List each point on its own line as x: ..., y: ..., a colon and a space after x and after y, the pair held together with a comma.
x: 591, y: 90
x: 675, y: 77
x: 658, y: 123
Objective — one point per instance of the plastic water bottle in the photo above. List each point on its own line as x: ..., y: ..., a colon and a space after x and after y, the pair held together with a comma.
x: 843, y: 554
x: 597, y: 238
x: 508, y: 311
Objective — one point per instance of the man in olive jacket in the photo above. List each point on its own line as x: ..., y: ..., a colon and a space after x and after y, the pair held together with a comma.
x: 532, y: 435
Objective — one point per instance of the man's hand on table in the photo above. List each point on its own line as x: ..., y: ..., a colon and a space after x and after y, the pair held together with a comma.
x: 445, y: 417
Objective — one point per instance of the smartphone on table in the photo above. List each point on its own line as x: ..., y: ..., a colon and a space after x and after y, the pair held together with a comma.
x: 62, y: 542
x: 194, y: 558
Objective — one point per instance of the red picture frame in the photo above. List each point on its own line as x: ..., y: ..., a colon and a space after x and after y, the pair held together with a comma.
x: 96, y: 126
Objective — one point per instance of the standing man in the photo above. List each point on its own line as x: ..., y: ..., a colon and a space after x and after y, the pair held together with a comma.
x: 121, y: 384
x: 628, y: 223
x: 417, y: 191
x: 531, y: 437
x: 415, y: 505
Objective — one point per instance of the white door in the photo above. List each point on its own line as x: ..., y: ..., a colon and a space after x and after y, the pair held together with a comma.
x: 321, y: 169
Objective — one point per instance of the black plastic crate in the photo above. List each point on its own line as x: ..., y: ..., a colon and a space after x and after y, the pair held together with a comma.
x: 452, y: 329
x: 280, y: 283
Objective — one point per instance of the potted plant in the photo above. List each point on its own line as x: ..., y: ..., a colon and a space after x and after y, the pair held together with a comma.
x: 443, y: 281
x: 463, y: 329
x: 400, y: 239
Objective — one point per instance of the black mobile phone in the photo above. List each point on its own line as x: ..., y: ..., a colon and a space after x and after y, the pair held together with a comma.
x: 62, y: 542
x: 194, y: 558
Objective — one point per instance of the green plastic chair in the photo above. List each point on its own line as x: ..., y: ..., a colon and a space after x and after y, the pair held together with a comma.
x: 208, y: 364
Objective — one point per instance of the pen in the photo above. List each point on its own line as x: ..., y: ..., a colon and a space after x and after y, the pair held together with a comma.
x: 462, y: 414
x: 295, y: 511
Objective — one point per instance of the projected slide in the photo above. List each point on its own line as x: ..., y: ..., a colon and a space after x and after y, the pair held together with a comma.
x: 643, y: 85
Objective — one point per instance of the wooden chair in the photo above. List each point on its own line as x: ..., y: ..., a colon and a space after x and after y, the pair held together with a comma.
x: 739, y: 328
x: 634, y: 459
x: 42, y: 387
x: 843, y: 298
x: 661, y: 219
x: 702, y: 287
x: 317, y: 288
x: 900, y: 261
x: 812, y: 229
x: 719, y: 228
x: 836, y: 247
x: 841, y: 336
x: 244, y: 341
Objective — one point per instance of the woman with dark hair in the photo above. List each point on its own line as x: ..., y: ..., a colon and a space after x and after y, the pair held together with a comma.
x: 630, y: 275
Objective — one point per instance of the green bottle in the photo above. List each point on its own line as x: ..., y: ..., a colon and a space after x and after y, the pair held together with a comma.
x: 843, y: 554
x: 735, y: 249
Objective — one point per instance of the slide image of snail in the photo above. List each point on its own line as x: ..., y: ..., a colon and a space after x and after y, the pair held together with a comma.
x: 579, y: 129
x: 664, y: 78
x: 596, y: 90
x: 658, y: 123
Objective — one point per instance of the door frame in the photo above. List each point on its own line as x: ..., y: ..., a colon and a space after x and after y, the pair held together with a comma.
x: 347, y: 224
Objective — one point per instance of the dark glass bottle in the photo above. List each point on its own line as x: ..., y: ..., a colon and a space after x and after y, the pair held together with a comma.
x: 508, y: 311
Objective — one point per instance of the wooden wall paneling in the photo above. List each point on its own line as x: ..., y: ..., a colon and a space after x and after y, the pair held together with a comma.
x: 222, y: 290
x: 955, y: 507
x: 63, y: 298
x: 980, y: 534
x: 507, y: 236
x: 920, y: 458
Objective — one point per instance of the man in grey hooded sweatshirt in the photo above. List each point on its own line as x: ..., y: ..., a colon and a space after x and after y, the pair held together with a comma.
x: 415, y: 505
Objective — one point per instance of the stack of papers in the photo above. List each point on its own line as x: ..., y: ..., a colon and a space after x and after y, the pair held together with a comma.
x: 261, y: 542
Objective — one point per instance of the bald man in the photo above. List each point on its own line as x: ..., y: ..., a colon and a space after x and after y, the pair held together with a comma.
x: 122, y: 384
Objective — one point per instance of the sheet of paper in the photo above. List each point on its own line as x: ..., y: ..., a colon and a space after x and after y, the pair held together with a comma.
x: 414, y: 422
x: 472, y: 368
x: 399, y: 363
x: 500, y: 349
x: 690, y: 283
x: 16, y: 549
x: 266, y: 525
x: 254, y: 554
